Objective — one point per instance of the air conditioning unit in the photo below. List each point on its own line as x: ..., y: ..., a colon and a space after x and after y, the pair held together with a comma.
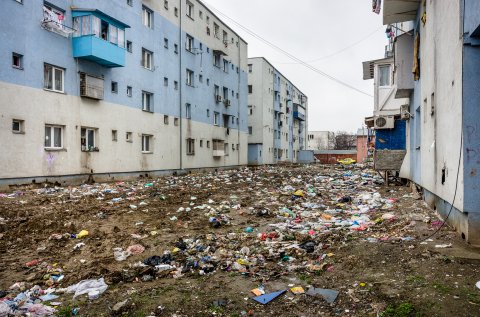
x: 91, y: 86
x: 404, y: 113
x: 218, y: 98
x: 384, y: 122
x: 227, y: 102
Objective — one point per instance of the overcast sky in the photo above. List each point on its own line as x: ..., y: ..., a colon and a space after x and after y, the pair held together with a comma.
x: 312, y: 30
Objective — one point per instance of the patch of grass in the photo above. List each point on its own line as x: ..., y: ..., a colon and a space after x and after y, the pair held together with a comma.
x: 473, y: 298
x: 64, y: 312
x: 441, y: 288
x: 214, y: 309
x: 416, y: 280
x: 305, y: 278
x: 402, y: 310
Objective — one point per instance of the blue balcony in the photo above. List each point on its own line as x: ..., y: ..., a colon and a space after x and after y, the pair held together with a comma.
x: 299, y: 116
x: 98, y: 37
x: 99, y: 51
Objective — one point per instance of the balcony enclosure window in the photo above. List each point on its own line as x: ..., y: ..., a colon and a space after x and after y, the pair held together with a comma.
x: 92, y: 25
x: 384, y: 75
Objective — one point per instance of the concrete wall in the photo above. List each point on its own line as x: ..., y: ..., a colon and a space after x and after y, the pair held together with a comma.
x: 28, y: 101
x: 362, y: 148
x: 320, y: 140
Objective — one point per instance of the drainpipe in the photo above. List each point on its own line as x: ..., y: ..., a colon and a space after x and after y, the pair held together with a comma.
x: 238, y: 100
x: 180, y: 82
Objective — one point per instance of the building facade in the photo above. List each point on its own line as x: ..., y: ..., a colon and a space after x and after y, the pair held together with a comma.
x: 435, y: 67
x: 107, y: 88
x: 320, y: 140
x: 277, y: 115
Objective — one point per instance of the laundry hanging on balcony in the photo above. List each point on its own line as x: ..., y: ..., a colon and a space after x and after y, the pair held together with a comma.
x: 53, y: 22
x: 376, y: 6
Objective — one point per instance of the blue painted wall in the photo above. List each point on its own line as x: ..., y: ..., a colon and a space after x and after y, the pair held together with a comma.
x: 255, y: 155
x: 29, y: 38
x: 471, y: 109
x: 391, y: 139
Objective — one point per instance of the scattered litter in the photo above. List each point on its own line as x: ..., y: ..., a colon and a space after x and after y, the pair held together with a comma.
x: 328, y: 294
x: 267, y: 298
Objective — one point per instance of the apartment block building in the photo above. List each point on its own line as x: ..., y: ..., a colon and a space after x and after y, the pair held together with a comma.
x: 118, y: 88
x: 277, y: 115
x: 431, y: 91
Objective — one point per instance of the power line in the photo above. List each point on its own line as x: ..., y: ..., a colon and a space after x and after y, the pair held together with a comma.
x: 299, y: 61
x: 343, y: 49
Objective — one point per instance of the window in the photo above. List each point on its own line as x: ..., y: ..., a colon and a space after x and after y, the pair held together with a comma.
x: 250, y: 130
x: 129, y: 46
x: 114, y: 135
x: 176, y: 12
x: 250, y: 110
x: 189, y: 80
x: 128, y: 137
x: 217, y: 90
x: 225, y: 149
x: 208, y: 82
x: 190, y: 146
x: 53, y: 137
x: 114, y: 87
x: 225, y: 93
x: 175, y: 122
x: 188, y: 111
x: 53, y: 78
x: 208, y: 19
x: 233, y: 147
x: 147, y: 59
x: 250, y: 67
x: 216, y: 60
x: 130, y: 2
x: 190, y: 10
x: 208, y: 113
x: 87, y: 139
x: 17, y: 61
x: 175, y: 48
x: 165, y: 42
x: 233, y: 120
x: 19, y: 1
x: 165, y: 119
x: 225, y: 37
x: 189, y: 43
x: 215, y: 118
x: 208, y: 31
x: 208, y: 144
x: 200, y: 78
x: 384, y: 75
x: 165, y: 4
x: 250, y: 89
x: 201, y: 143
x: 147, y: 15
x: 165, y: 81
x: 147, y: 101
x: 129, y: 91
x: 146, y: 143
x: 17, y: 126
x: 225, y: 66
x: 200, y: 14
x: 175, y: 85
x: 216, y: 30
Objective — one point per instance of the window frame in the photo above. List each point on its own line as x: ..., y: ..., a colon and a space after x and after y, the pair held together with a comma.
x: 53, y: 69
x: 389, y: 77
x: 147, y: 17
x: 21, y: 129
x: 20, y: 60
x: 190, y: 10
x: 147, y: 56
x: 190, y: 146
x: 129, y: 91
x: 146, y: 143
x: 189, y: 81
x: 85, y: 147
x: 188, y: 111
x: 52, y: 128
x: 114, y: 87
x: 215, y: 118
x: 147, y: 103
x: 189, y: 43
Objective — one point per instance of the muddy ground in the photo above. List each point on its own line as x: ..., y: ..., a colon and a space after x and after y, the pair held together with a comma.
x: 393, y: 273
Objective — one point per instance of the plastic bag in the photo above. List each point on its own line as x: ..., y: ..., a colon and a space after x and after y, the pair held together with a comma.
x: 87, y: 286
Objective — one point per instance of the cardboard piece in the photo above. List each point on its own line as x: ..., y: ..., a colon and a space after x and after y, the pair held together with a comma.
x: 265, y: 299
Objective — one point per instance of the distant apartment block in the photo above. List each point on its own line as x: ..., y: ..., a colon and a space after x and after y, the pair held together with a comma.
x: 277, y: 115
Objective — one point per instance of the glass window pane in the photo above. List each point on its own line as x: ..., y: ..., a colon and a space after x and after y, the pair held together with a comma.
x: 57, y: 137
x: 147, y: 143
x: 86, y: 25
x: 76, y: 26
x: 96, y: 26
x: 91, y: 139
x: 58, y: 79
x: 48, y: 80
x: 121, y: 38
x: 384, y: 74
x: 113, y: 33
x: 48, y: 136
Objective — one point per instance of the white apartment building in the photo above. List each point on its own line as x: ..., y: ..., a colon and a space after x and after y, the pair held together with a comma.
x: 277, y: 115
x: 320, y: 140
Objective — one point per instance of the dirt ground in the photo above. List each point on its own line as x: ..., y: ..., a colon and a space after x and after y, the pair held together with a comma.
x: 220, y: 235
